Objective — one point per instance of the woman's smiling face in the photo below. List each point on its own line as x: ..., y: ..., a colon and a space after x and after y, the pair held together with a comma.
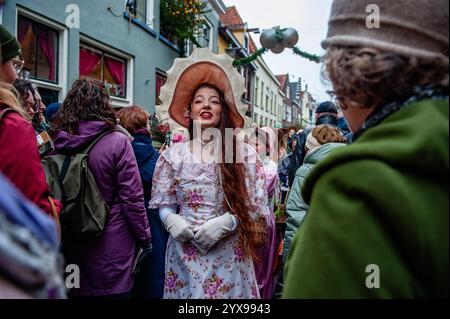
x: 206, y: 108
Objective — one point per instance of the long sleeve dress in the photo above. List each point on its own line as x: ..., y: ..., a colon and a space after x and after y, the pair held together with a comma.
x: 226, y: 271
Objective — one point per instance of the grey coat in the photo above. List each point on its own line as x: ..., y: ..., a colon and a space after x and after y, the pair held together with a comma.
x: 296, y: 208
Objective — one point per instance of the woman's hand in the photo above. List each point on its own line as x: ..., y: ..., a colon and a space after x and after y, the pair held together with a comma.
x: 178, y: 228
x: 211, y: 232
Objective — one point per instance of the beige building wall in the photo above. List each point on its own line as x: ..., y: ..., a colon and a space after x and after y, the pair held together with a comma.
x: 267, y: 99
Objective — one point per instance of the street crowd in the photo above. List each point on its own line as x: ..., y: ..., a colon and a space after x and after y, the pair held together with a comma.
x: 129, y: 200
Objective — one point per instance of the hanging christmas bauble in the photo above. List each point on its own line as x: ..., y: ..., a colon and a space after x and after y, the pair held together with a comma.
x: 269, y: 39
x: 279, y: 48
x: 290, y: 38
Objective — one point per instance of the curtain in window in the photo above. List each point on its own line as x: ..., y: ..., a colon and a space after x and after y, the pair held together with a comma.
x: 160, y: 80
x: 117, y: 70
x: 46, y: 40
x: 23, y: 27
x: 88, y: 61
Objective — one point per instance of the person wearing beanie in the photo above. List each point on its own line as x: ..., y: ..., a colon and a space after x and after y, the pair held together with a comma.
x: 378, y: 222
x: 11, y: 62
x: 51, y: 111
x: 327, y: 114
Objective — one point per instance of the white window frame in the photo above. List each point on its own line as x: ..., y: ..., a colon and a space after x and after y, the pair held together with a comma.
x: 115, y: 101
x: 149, y: 14
x: 247, y: 43
x: 63, y: 59
x: 150, y: 17
x: 211, y: 33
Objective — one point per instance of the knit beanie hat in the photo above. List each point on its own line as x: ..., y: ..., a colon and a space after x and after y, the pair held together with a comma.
x: 10, y: 48
x: 312, y: 143
x: 51, y: 110
x: 408, y: 27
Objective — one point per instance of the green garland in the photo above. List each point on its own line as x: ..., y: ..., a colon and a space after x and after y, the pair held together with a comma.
x: 306, y: 55
x: 250, y: 59
x: 260, y: 52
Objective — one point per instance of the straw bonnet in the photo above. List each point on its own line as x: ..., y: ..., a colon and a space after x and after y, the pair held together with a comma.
x: 187, y: 74
x: 409, y: 27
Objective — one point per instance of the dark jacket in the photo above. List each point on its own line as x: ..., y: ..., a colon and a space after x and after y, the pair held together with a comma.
x: 298, y: 156
x: 106, y: 261
x: 149, y: 282
x: 146, y: 156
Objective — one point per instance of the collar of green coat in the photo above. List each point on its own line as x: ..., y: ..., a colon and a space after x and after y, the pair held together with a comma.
x: 421, y: 93
x: 321, y: 153
x: 413, y: 140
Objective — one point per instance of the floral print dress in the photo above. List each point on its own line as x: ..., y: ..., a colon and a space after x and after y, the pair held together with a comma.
x: 225, y: 272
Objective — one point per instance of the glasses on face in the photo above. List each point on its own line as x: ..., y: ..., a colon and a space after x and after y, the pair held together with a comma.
x: 18, y: 64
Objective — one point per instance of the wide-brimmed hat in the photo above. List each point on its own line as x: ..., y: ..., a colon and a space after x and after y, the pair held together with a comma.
x: 417, y: 28
x: 186, y: 75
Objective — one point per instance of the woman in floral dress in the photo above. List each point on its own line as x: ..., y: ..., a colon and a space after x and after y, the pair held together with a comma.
x: 207, y: 205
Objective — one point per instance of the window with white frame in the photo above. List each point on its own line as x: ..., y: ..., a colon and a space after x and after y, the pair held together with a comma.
x: 142, y: 10
x: 257, y: 91
x: 206, y: 35
x: 276, y: 104
x: 106, y: 67
x: 246, y: 43
x: 44, y: 48
x: 261, y: 101
x: 271, y: 103
x: 40, y: 45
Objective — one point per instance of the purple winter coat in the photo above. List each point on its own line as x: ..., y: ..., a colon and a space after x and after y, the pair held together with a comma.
x: 106, y: 262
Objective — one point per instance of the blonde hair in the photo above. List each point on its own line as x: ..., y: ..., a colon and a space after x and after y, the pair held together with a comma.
x: 325, y: 134
x: 10, y: 97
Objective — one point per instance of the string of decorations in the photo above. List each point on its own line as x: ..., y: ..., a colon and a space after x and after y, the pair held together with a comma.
x: 250, y: 59
x: 306, y: 55
x: 277, y: 40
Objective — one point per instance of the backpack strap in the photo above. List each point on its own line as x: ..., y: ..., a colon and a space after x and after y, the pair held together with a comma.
x: 63, y: 173
x: 68, y: 159
x: 91, y: 146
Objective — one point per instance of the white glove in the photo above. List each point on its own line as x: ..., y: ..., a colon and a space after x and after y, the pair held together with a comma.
x: 178, y: 228
x: 211, y: 232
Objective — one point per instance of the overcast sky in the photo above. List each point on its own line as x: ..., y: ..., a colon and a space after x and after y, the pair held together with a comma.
x: 309, y: 18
